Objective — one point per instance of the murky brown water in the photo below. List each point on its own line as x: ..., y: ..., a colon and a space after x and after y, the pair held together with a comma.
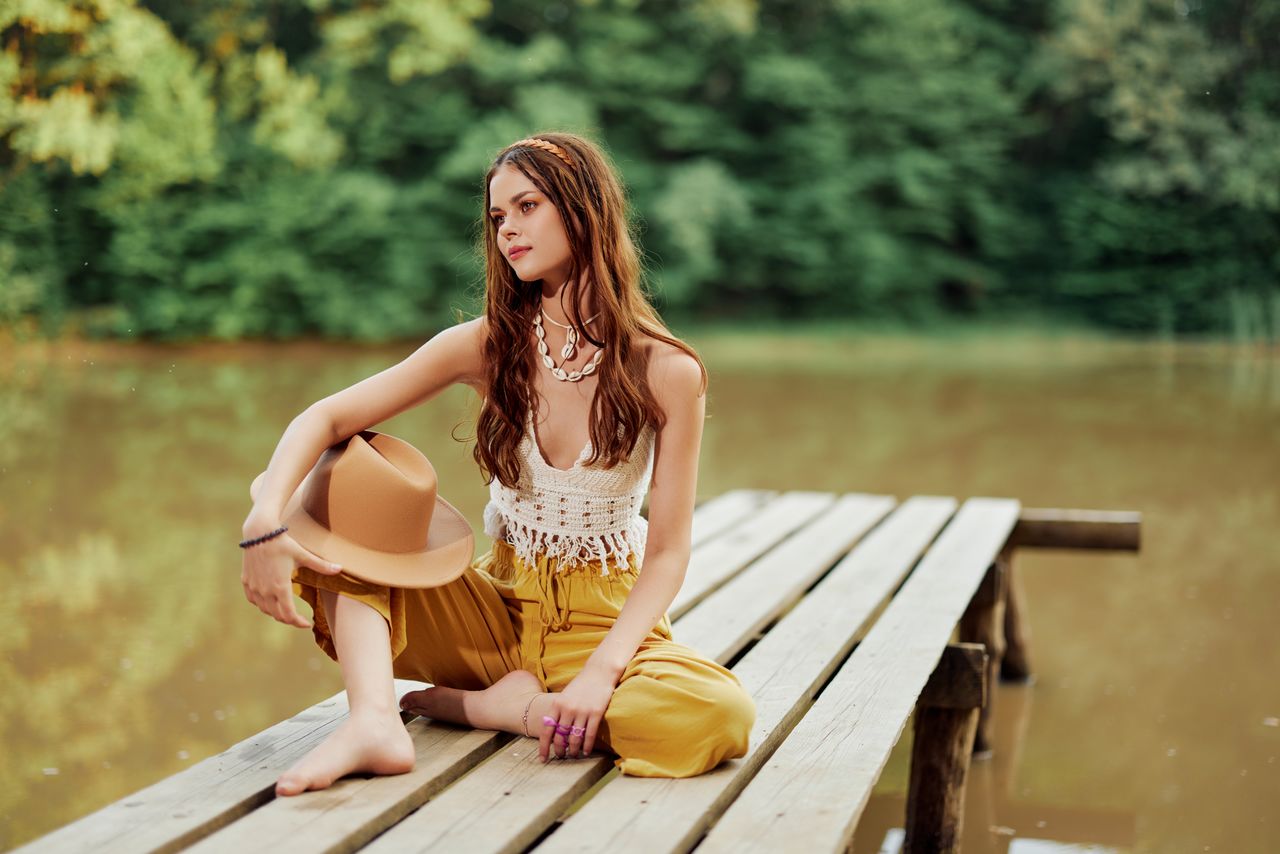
x: 128, y: 651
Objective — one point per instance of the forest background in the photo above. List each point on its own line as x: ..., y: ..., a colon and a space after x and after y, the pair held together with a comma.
x: 233, y: 169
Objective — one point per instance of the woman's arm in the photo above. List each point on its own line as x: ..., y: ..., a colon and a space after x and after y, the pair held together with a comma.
x: 449, y: 357
x: 677, y: 386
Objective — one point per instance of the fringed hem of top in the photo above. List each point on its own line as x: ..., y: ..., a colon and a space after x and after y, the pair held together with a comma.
x: 570, y: 550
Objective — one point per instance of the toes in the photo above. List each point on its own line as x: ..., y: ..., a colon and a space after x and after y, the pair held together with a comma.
x: 288, y: 785
x: 413, y: 699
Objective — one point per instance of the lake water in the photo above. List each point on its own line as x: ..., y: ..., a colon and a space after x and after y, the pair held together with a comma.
x: 128, y: 651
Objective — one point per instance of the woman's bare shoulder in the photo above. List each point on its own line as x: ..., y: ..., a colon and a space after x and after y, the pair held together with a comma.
x: 471, y: 335
x: 672, y: 371
x: 455, y: 354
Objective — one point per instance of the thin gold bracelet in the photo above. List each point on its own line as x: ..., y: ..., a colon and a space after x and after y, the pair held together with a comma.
x: 525, y: 720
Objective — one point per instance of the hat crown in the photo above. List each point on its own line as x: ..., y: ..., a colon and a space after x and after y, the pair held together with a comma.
x: 373, y: 490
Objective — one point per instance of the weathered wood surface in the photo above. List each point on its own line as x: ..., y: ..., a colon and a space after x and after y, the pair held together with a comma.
x: 960, y: 679
x: 946, y: 719
x: 715, y: 562
x: 770, y: 585
x: 348, y: 814
x: 810, y: 793
x: 178, y: 811
x: 939, y: 765
x: 983, y: 623
x: 1015, y: 666
x: 728, y: 509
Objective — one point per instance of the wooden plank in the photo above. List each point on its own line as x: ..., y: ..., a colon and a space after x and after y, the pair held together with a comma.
x: 717, y: 515
x: 504, y: 805
x: 185, y: 807
x: 355, y: 809
x: 1057, y: 528
x: 507, y: 803
x: 715, y: 562
x: 811, y: 792
x: 783, y: 672
x: 734, y: 614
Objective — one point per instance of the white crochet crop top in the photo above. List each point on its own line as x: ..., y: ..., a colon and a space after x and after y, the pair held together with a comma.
x: 577, y: 514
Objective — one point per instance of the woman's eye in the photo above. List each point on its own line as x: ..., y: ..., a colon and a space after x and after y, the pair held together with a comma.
x: 497, y: 219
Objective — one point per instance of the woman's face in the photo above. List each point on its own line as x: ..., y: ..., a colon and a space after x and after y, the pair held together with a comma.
x: 526, y: 218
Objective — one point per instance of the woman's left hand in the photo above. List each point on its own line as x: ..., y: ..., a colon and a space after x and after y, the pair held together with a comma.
x: 581, y: 704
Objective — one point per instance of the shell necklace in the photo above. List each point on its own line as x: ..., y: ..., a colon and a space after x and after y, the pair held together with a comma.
x: 567, y: 351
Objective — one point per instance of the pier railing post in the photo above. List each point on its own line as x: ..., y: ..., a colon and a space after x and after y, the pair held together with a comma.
x: 983, y: 622
x: 1015, y: 666
x: 946, y: 719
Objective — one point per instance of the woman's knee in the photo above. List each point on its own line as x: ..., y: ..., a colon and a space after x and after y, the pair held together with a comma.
x: 732, y: 715
x: 669, y: 726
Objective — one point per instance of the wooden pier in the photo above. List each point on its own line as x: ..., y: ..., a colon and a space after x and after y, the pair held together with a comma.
x: 842, y: 614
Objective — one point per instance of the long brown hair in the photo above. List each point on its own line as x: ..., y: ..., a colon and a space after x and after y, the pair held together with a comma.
x: 590, y: 199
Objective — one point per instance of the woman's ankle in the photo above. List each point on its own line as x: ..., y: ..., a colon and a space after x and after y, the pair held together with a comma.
x: 375, y: 711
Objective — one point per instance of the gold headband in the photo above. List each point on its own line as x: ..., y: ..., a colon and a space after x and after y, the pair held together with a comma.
x: 535, y: 142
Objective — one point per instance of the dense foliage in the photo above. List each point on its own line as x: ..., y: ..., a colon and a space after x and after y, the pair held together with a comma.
x: 191, y: 168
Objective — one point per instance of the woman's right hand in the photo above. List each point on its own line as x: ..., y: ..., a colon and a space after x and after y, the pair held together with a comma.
x: 267, y: 576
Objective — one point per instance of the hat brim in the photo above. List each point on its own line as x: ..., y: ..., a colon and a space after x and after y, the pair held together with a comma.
x: 449, y: 550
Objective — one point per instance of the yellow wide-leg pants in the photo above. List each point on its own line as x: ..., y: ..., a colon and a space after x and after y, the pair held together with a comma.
x: 674, y: 712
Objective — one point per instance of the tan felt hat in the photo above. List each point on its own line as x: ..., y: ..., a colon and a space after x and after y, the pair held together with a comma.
x: 371, y: 503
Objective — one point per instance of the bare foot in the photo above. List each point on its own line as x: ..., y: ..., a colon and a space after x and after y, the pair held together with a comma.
x: 498, y: 707
x: 368, y: 742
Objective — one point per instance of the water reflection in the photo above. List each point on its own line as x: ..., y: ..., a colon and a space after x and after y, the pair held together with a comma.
x: 129, y: 651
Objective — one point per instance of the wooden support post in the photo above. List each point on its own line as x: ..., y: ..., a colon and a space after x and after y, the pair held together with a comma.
x: 1015, y: 666
x: 983, y: 622
x: 946, y: 719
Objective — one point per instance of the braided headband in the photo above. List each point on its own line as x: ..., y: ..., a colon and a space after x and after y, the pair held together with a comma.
x: 535, y: 142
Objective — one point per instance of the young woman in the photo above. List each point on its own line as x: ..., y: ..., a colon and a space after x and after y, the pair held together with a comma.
x: 560, y: 630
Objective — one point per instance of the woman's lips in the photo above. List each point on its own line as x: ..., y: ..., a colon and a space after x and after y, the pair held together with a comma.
x: 516, y: 253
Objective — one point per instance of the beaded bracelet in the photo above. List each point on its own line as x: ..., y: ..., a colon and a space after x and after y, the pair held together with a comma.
x: 244, y: 544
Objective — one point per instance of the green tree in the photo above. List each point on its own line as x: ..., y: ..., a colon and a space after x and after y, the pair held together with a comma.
x: 1173, y: 222
x: 271, y: 169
